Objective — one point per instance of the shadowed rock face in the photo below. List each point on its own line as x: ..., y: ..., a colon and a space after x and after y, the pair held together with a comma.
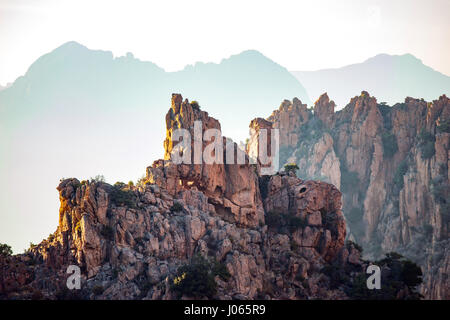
x: 391, y: 164
x: 130, y: 240
x: 316, y: 203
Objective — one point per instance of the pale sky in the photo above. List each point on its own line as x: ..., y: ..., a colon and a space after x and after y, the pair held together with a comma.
x: 299, y: 35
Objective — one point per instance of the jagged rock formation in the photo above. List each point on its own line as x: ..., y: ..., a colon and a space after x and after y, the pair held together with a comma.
x: 130, y: 241
x: 252, y: 146
x: 295, y: 123
x: 318, y: 205
x: 231, y: 188
x: 289, y: 118
x: 391, y: 163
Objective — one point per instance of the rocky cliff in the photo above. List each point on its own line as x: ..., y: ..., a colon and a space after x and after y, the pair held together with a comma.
x: 391, y: 164
x: 131, y: 242
x: 200, y: 230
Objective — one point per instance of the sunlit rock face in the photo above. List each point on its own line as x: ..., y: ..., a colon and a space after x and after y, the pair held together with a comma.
x: 130, y: 240
x: 232, y: 188
x: 391, y: 164
x: 288, y: 119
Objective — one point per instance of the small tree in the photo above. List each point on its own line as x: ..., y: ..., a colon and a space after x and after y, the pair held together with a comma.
x: 5, y: 250
x: 141, y: 181
x: 291, y: 167
x: 119, y: 184
x: 195, y: 105
x: 122, y: 196
x: 197, y: 279
x: 283, y: 223
x: 444, y: 126
x: 98, y: 178
x: 390, y: 146
x: 403, y: 274
x: 426, y: 144
x: 176, y: 207
x: 399, y: 173
x: 51, y: 237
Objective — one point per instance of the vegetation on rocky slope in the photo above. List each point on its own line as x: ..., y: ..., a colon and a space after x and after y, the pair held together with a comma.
x: 391, y: 163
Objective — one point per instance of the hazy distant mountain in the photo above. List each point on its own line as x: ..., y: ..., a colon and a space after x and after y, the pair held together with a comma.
x: 390, y: 78
x: 79, y: 112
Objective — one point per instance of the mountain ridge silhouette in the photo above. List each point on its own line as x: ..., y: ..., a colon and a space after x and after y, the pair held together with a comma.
x: 82, y: 112
x: 390, y: 78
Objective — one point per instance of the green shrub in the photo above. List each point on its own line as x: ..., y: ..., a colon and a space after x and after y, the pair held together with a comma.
x: 121, y: 196
x: 291, y: 167
x: 426, y: 144
x: 141, y: 181
x: 354, y: 244
x: 119, y: 184
x: 403, y: 273
x: 390, y: 146
x: 444, y: 126
x: 98, y: 178
x: 428, y: 150
x: 63, y: 293
x: 440, y: 189
x: 411, y: 274
x: 399, y: 173
x: 176, y: 207
x: 402, y: 269
x: 294, y: 223
x: 195, y: 105
x: 358, y: 289
x: 130, y: 184
x: 196, y: 279
x: 336, y: 275
x: 220, y: 269
x: 313, y: 130
x: 281, y: 222
x: 5, y: 250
